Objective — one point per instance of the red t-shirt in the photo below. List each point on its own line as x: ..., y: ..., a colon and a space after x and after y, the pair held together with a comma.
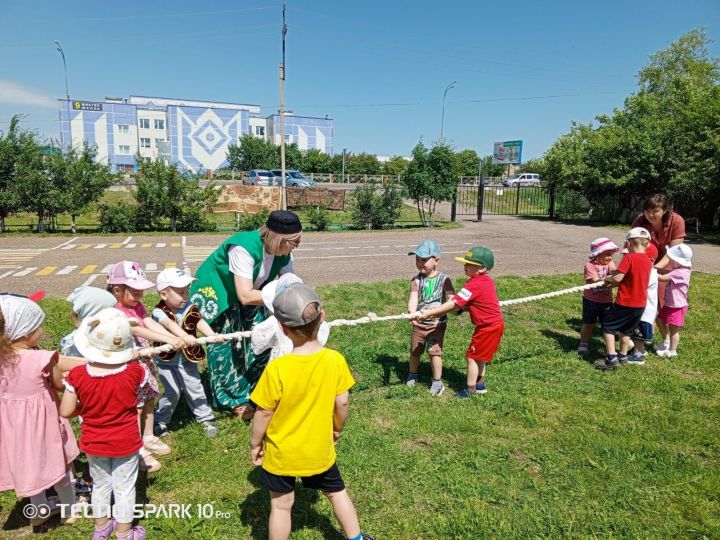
x: 632, y: 291
x: 108, y: 405
x: 480, y: 297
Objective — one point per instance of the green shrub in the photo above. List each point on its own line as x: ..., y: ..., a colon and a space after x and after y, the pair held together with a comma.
x: 251, y: 222
x: 117, y: 217
x: 194, y: 219
x: 373, y: 210
x: 318, y: 216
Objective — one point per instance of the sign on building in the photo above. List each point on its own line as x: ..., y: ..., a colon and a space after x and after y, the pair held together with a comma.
x: 87, y: 106
x: 507, y: 152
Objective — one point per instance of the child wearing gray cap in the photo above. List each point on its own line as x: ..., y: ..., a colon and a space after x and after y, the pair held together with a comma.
x: 428, y: 289
x: 302, y: 404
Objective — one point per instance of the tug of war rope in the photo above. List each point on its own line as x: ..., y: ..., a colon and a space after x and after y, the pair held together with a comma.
x: 372, y: 317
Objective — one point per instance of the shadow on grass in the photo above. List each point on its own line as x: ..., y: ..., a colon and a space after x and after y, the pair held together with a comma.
x: 392, y: 365
x: 255, y: 511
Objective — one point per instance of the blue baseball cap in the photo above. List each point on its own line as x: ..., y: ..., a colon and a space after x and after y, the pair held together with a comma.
x: 426, y: 248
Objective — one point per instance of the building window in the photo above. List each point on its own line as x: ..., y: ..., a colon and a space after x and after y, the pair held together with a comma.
x: 158, y: 142
x: 123, y: 128
x: 144, y: 142
x: 260, y: 131
x: 159, y: 124
x: 145, y: 123
x: 124, y: 149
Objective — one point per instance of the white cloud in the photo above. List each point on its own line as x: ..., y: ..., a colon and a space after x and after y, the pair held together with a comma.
x: 14, y: 93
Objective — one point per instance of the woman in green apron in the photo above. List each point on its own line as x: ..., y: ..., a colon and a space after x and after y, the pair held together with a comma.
x: 227, y: 292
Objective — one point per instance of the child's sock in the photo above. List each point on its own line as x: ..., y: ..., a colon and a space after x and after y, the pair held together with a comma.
x: 147, y: 438
x: 358, y: 537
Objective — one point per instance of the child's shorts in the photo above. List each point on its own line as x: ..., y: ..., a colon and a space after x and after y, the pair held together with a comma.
x: 329, y: 481
x: 622, y: 319
x: 428, y: 339
x: 645, y: 330
x: 594, y: 312
x: 673, y: 315
x: 485, y: 342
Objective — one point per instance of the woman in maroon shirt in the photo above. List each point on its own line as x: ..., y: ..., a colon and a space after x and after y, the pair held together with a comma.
x: 666, y: 227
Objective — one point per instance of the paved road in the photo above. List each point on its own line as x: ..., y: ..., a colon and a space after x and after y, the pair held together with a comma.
x: 522, y: 247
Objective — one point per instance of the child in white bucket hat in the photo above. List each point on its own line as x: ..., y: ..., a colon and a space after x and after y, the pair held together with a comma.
x: 106, y: 388
x: 672, y: 315
x: 268, y: 334
x: 596, y: 302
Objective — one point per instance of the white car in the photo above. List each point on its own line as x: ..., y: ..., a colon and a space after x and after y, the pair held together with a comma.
x: 524, y: 179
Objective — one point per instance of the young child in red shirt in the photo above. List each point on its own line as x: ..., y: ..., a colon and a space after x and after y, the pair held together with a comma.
x: 632, y: 278
x: 480, y: 298
x: 106, y: 388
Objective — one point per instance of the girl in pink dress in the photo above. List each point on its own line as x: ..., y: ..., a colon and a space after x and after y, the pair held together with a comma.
x: 127, y: 282
x: 37, y: 447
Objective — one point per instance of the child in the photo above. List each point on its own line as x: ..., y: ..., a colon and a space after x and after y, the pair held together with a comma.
x: 107, y: 390
x: 178, y: 369
x: 596, y: 302
x: 268, y: 334
x: 428, y: 289
x: 86, y: 301
x: 480, y: 297
x: 127, y: 282
x: 302, y: 405
x: 37, y: 447
x: 644, y: 331
x: 632, y: 277
x: 672, y: 315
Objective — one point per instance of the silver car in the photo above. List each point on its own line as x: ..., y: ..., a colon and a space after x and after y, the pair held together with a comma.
x: 524, y: 179
x: 258, y: 177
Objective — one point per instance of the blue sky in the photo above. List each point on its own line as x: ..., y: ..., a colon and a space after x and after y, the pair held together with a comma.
x: 523, y: 69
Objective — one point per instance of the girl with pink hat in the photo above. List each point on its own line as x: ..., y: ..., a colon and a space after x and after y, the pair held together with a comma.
x: 596, y: 302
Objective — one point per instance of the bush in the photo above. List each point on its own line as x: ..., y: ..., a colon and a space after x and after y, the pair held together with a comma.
x: 318, y: 216
x: 373, y: 210
x: 194, y: 219
x: 251, y: 222
x: 117, y: 217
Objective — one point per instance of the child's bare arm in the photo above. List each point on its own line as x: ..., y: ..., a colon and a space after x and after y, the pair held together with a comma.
x: 151, y: 335
x: 174, y: 328
x: 663, y: 277
x: 614, y: 278
x: 447, y: 307
x: 68, y: 405
x: 67, y: 363
x: 260, y: 423
x: 413, y: 299
x: 342, y: 406
x: 209, y: 333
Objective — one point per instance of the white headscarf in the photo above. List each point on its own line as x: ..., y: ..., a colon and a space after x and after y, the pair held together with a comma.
x: 22, y: 315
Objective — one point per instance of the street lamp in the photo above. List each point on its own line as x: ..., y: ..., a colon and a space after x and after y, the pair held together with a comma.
x: 442, y: 123
x: 67, y: 94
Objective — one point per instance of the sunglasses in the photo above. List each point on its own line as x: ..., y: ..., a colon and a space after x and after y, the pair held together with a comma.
x: 292, y: 243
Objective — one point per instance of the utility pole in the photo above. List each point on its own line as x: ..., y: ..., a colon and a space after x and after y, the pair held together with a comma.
x: 67, y: 94
x: 442, y: 122
x: 282, y: 114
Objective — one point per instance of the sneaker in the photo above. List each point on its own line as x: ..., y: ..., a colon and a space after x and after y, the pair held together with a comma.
x: 148, y: 462
x: 669, y: 353
x: 161, y: 429
x: 210, y: 429
x: 480, y: 388
x: 104, y: 532
x: 623, y: 359
x: 437, y: 388
x: 156, y: 446
x: 660, y: 347
x: 411, y: 379
x: 611, y: 362
x: 464, y: 394
x: 366, y: 536
x: 135, y: 533
x: 636, y: 359
x: 583, y: 349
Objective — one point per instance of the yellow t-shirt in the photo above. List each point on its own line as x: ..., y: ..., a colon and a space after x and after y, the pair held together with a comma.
x: 301, y: 389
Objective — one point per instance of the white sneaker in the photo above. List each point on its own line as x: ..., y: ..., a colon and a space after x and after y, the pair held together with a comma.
x: 661, y: 347
x: 156, y: 446
x: 148, y: 462
x: 670, y: 353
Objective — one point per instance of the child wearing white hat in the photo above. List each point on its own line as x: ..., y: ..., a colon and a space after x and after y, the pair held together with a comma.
x: 178, y: 369
x: 106, y: 389
x: 672, y: 315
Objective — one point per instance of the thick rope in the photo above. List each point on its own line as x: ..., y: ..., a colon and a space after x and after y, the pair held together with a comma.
x: 372, y: 317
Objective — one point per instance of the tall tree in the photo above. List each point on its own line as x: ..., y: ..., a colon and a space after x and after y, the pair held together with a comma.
x: 10, y: 147
x: 253, y: 153
x: 395, y: 166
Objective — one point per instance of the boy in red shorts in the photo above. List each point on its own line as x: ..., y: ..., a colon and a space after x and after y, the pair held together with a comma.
x: 480, y: 298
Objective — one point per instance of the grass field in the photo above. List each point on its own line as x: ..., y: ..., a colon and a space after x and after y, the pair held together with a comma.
x: 555, y: 449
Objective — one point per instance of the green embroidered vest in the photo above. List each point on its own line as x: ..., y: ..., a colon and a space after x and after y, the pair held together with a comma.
x: 214, y: 291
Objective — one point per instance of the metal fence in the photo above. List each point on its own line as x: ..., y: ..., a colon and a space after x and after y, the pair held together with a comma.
x: 477, y: 200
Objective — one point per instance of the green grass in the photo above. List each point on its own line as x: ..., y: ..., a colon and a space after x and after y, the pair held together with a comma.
x: 555, y: 449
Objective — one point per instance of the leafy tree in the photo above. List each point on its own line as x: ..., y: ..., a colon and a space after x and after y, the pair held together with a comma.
x: 253, y: 153
x: 488, y: 168
x: 430, y: 178
x: 395, y: 166
x: 373, y: 210
x: 293, y: 157
x: 362, y: 164
x: 466, y: 163
x: 316, y: 161
x: 11, y: 143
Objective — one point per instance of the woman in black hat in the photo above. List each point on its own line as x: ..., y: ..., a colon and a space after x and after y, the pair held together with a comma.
x: 227, y: 292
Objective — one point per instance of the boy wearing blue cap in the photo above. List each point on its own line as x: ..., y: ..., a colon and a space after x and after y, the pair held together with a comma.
x: 428, y: 289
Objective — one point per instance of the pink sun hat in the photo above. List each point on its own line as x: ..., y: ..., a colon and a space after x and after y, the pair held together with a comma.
x: 602, y: 245
x: 131, y: 274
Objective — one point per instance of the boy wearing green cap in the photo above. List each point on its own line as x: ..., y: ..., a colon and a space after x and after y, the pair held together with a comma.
x: 428, y: 289
x: 480, y: 298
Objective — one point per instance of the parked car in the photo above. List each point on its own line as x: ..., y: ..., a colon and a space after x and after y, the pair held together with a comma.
x: 293, y: 178
x: 524, y: 179
x: 258, y: 177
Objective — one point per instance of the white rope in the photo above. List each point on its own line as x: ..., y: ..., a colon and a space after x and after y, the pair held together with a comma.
x: 372, y: 317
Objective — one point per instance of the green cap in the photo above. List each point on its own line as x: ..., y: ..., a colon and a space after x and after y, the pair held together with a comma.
x: 479, y: 255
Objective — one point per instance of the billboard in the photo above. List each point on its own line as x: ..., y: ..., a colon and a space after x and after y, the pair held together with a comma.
x: 507, y: 152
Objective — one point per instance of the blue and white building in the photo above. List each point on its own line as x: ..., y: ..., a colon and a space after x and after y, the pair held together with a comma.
x: 193, y: 134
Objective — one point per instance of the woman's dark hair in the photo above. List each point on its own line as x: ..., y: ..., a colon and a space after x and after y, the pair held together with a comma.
x: 658, y: 200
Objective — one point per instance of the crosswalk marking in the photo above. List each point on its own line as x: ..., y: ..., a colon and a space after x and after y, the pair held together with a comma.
x: 25, y: 272
x: 115, y: 246
x: 69, y: 246
x: 65, y: 271
x: 170, y: 265
x: 150, y: 267
x: 84, y: 246
x: 89, y: 269
x: 147, y: 245
x: 197, y: 253
x: 106, y: 269
x: 6, y: 274
x: 175, y: 244
x: 100, y: 246
x: 130, y: 246
x: 47, y: 270
x: 162, y: 244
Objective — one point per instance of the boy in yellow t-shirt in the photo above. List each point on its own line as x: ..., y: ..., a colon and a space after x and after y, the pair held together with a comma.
x: 302, y: 405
